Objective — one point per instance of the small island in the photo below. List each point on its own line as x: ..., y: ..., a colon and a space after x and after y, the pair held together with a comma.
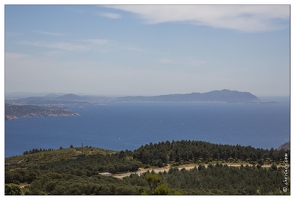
x: 16, y: 111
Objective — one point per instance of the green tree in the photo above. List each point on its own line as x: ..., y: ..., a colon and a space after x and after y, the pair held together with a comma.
x: 153, y: 180
x: 162, y: 189
x: 30, y: 177
x: 273, y: 167
x: 12, y: 189
x: 50, y: 186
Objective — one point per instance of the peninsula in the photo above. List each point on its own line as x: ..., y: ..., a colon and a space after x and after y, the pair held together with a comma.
x: 224, y: 96
x: 17, y: 111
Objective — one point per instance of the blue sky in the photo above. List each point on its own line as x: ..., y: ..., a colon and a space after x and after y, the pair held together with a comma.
x: 147, y: 49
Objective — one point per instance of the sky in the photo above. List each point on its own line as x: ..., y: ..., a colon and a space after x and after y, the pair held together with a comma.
x: 147, y: 49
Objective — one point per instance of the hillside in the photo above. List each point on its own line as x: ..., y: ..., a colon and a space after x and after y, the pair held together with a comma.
x: 41, y: 156
x: 89, y: 170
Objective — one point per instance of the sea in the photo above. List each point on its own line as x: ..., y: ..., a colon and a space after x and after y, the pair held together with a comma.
x: 121, y: 126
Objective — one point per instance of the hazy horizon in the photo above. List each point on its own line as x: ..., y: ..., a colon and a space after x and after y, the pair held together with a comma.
x: 121, y: 50
x: 42, y: 94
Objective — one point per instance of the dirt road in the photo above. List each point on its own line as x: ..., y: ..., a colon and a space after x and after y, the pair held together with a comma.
x: 166, y: 168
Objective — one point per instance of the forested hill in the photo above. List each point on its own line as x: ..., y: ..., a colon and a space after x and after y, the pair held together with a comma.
x: 162, y: 153
x: 81, y: 170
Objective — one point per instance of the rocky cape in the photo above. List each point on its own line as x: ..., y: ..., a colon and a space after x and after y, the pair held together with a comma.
x: 224, y: 96
x: 285, y: 146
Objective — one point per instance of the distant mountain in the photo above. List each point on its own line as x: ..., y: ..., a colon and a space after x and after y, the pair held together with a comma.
x: 227, y: 96
x: 285, y: 146
x: 69, y: 97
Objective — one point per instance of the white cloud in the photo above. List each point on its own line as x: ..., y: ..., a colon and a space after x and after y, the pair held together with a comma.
x: 110, y: 15
x: 107, y: 45
x: 58, y: 45
x: 49, y: 33
x: 103, y: 45
x: 247, y: 18
x: 97, y: 41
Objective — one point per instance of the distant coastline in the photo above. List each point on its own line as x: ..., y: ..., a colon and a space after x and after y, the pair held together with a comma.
x: 13, y: 112
x: 54, y: 105
x: 223, y: 96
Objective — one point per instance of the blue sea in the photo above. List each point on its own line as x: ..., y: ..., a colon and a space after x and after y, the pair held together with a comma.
x: 121, y: 126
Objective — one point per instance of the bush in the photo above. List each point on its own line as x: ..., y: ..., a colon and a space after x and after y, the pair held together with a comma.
x: 162, y: 190
x: 12, y: 189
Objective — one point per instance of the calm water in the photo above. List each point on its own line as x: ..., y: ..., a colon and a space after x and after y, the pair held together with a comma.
x: 129, y: 125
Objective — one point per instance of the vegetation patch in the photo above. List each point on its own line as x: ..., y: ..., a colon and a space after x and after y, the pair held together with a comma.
x: 210, y: 169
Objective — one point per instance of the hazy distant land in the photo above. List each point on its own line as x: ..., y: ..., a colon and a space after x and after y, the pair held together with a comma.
x: 226, y: 96
x: 50, y: 105
x: 16, y: 111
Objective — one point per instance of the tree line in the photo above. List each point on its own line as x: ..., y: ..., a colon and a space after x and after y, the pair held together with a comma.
x: 36, y: 151
x: 159, y: 154
x: 215, y: 179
